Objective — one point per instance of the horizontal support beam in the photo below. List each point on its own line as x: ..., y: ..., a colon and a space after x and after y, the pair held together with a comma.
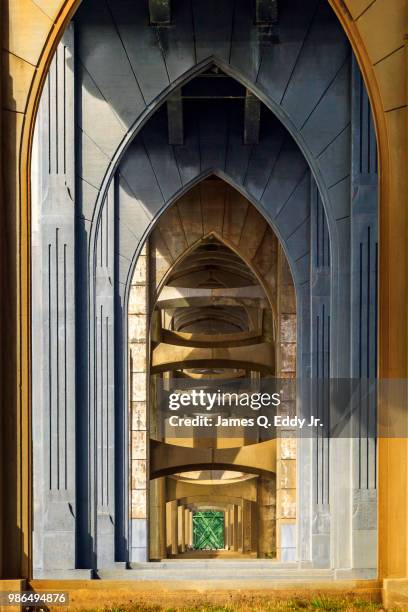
x: 205, y: 302
x: 252, y: 291
x: 212, y: 340
x: 167, y: 459
x: 258, y: 358
x: 226, y: 374
x: 202, y: 499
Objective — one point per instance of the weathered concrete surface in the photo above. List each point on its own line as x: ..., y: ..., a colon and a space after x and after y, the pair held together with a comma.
x: 258, y: 357
x: 166, y: 459
x: 206, y: 340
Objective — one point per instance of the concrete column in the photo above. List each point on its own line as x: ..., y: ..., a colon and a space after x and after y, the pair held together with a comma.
x: 286, y: 495
x: 254, y: 527
x: 353, y: 497
x: 171, y: 528
x: 181, y: 529
x: 168, y: 528
x: 235, y: 544
x: 187, y: 528
x: 53, y: 308
x: 266, y: 517
x: 364, y: 273
x: 226, y: 529
x: 157, y: 519
x: 240, y: 529
x: 191, y: 530
x: 232, y: 528
x: 137, y: 333
x: 246, y: 526
x: 304, y: 454
x: 103, y: 375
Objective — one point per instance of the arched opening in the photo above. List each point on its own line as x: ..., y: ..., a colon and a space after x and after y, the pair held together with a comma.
x: 214, y: 288
x: 205, y: 282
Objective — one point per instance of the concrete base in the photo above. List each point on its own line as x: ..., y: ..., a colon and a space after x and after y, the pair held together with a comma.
x: 356, y: 574
x: 395, y: 593
x: 266, y: 572
x: 74, y: 574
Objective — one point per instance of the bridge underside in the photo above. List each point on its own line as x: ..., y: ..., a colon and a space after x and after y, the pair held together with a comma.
x: 192, y: 212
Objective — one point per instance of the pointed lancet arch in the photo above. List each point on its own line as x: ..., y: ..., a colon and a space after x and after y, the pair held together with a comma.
x: 223, y: 239
x: 389, y: 194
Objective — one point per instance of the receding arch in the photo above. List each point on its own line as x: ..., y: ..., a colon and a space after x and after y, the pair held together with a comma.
x: 148, y: 113
x: 61, y: 21
x: 188, y: 187
x: 222, y: 240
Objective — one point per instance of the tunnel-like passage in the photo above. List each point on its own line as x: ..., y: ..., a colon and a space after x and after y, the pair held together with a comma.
x: 212, y: 219
x: 218, y: 289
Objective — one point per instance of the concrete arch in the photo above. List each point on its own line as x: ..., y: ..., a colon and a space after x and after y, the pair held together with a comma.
x: 168, y: 459
x: 168, y: 357
x: 197, y: 180
x: 222, y: 239
x: 149, y: 111
x: 141, y: 122
x: 91, y: 273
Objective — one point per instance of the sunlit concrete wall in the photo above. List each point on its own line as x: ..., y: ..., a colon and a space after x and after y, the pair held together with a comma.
x: 377, y: 32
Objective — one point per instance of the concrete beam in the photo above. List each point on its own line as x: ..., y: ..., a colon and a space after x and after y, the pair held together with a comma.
x: 231, y: 493
x: 175, y: 118
x: 219, y: 499
x: 252, y: 118
x: 211, y: 340
x: 204, y: 302
x: 167, y: 459
x: 199, y: 277
x: 227, y: 374
x: 266, y: 12
x: 258, y: 358
x: 252, y: 291
x: 160, y: 12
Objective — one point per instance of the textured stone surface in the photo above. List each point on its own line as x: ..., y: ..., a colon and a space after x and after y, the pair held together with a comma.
x: 364, y: 509
x: 138, y: 387
x: 287, y: 474
x: 137, y: 328
x: 288, y: 357
x: 138, y: 356
x: 137, y: 300
x: 139, y: 441
x: 138, y: 505
x: 288, y: 328
x: 286, y: 503
x: 138, y: 421
x: 287, y: 448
